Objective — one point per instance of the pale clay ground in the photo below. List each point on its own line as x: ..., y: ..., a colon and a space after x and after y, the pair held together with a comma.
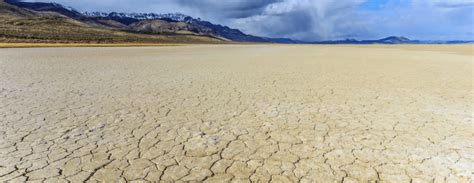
x: 219, y: 113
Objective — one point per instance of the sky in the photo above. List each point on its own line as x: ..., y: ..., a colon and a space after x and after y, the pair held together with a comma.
x: 314, y: 20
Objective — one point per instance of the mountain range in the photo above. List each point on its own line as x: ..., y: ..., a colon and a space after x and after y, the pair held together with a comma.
x: 51, y: 22
x: 390, y: 40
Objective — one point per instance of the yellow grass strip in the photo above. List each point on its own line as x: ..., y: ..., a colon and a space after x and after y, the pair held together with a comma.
x: 34, y: 45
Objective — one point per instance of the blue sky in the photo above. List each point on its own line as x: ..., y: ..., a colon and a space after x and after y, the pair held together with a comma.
x: 313, y: 20
x: 373, y: 4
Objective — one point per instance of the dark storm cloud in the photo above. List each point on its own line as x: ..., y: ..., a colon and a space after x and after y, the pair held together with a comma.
x: 229, y: 8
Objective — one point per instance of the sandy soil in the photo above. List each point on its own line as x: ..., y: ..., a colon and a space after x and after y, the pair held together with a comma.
x: 280, y: 113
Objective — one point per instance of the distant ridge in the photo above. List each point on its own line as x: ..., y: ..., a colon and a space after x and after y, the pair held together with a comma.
x: 389, y: 40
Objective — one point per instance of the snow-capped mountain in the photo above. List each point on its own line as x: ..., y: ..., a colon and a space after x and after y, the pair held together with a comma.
x: 179, y: 17
x: 146, y: 22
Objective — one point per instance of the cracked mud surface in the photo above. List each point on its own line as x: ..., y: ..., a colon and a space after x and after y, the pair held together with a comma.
x: 237, y: 113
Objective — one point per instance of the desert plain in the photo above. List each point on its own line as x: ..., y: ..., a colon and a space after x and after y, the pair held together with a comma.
x: 241, y: 113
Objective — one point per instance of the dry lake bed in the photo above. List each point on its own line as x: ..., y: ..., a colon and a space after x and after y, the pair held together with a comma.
x: 219, y: 113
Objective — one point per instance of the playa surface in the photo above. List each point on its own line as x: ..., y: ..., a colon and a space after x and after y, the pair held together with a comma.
x: 218, y: 113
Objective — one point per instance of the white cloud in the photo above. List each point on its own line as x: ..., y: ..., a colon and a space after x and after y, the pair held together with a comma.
x: 445, y: 3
